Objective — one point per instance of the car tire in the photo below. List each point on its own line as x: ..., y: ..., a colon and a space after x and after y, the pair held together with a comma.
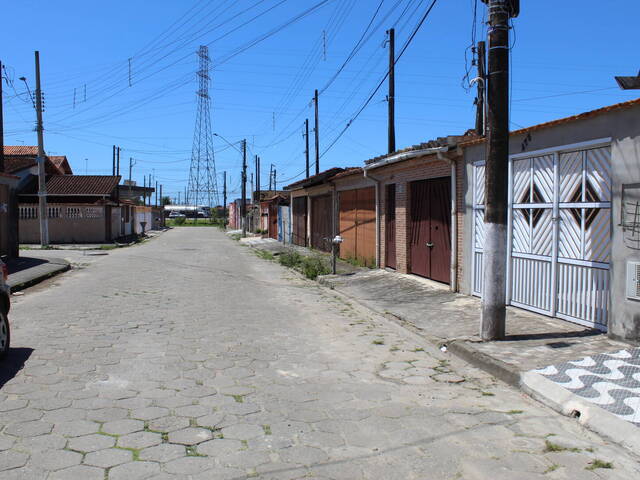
x: 5, y: 334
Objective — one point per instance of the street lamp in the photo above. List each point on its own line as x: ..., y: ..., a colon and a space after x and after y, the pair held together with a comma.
x: 629, y: 83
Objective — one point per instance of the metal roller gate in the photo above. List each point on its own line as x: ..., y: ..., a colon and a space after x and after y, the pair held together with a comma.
x: 559, y: 232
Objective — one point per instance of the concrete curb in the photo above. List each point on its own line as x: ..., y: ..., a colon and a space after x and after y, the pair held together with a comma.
x: 30, y: 282
x: 588, y: 414
x: 493, y: 366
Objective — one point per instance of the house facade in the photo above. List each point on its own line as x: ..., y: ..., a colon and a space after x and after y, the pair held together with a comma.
x: 573, y: 219
x: 8, y: 215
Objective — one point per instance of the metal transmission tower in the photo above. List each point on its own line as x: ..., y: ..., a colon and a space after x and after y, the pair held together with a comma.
x: 203, y: 185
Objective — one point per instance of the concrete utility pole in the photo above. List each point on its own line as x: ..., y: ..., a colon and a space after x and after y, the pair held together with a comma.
x: 243, y: 202
x: 156, y: 192
x: 480, y: 115
x: 113, y: 161
x: 271, y: 177
x: 42, y: 188
x: 275, y: 186
x: 306, y: 144
x: 317, y: 132
x: 257, y: 194
x: 492, y: 323
x: 1, y: 126
x: 392, y: 92
x: 224, y: 199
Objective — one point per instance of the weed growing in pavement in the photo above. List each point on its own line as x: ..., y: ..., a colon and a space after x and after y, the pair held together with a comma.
x: 378, y: 342
x: 236, y: 237
x: 515, y: 412
x: 108, y: 247
x: 238, y: 398
x: 267, y: 429
x: 552, y: 468
x: 310, y: 267
x: 597, y: 463
x: 265, y: 254
x: 554, y: 447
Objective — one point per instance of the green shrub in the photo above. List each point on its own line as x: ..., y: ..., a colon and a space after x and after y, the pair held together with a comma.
x: 179, y: 220
x: 312, y: 267
x: 291, y: 259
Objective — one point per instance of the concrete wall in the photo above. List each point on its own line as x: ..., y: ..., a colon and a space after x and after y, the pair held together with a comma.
x: 77, y: 223
x: 623, y: 127
x: 8, y: 216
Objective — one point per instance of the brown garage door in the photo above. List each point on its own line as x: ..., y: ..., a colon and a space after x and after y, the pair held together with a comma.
x: 430, y: 229
x: 300, y: 221
x: 358, y: 225
x: 321, y: 216
x: 5, y: 208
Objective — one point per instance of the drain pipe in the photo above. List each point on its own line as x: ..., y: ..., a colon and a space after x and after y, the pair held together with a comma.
x: 377, y: 182
x: 454, y: 223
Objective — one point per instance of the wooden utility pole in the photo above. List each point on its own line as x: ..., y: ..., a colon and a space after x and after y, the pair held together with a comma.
x: 492, y: 323
x: 224, y: 204
x: 482, y: 78
x: 243, y: 202
x: 306, y: 144
x: 317, y: 134
x: 1, y: 126
x: 42, y: 188
x: 392, y: 93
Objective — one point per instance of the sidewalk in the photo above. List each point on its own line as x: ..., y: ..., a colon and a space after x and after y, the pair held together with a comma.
x: 573, y: 369
x: 27, y: 271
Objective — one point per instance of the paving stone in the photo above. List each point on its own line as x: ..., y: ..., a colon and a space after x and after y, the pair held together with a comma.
x: 242, y: 431
x: 189, y: 465
x: 122, y: 427
x: 192, y: 411
x: 91, y: 443
x: 134, y: 471
x: 76, y: 428
x: 190, y: 436
x: 219, y: 447
x: 107, y: 414
x: 139, y: 440
x: 163, y: 453
x: 51, y: 441
x: 149, y: 413
x: 11, y: 459
x: 108, y: 458
x: 6, y: 442
x: 78, y: 472
x: 56, y: 459
x: 28, y: 429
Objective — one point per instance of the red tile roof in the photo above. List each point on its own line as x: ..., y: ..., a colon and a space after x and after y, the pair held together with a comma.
x: 347, y: 172
x: 15, y: 163
x: 316, y: 179
x: 562, y: 121
x: 62, y: 163
x: 20, y: 150
x: 84, y: 185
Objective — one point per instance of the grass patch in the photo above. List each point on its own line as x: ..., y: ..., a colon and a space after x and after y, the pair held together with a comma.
x: 108, y: 247
x: 378, y: 342
x: 418, y: 349
x: 236, y: 236
x: 265, y: 254
x: 238, y: 398
x: 267, y: 429
x: 311, y: 267
x: 597, y: 463
x: 554, y: 447
x: 552, y: 468
x: 488, y: 394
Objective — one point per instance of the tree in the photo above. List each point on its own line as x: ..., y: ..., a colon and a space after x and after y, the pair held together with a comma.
x: 165, y: 201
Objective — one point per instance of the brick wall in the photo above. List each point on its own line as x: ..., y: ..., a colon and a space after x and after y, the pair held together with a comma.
x: 402, y: 174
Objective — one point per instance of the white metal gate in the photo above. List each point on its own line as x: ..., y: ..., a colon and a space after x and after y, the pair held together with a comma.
x: 559, y: 232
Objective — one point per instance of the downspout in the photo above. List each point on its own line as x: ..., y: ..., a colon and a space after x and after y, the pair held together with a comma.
x: 454, y: 223
x: 377, y: 182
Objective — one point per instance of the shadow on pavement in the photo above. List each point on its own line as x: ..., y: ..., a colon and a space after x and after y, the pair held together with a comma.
x: 18, y: 264
x: 13, y: 363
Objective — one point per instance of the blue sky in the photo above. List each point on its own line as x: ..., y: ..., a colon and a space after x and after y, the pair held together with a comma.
x: 262, y: 92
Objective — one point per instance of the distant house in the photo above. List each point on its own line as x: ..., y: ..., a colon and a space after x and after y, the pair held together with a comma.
x: 80, y: 209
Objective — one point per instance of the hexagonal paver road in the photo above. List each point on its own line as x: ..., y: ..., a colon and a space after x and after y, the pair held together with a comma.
x: 190, y: 357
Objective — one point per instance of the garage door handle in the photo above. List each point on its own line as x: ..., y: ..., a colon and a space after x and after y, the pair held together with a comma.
x: 430, y: 245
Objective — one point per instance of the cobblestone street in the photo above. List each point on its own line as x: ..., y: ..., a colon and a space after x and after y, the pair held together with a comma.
x: 190, y: 357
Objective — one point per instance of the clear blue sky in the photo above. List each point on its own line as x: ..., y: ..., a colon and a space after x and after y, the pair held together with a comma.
x: 263, y: 93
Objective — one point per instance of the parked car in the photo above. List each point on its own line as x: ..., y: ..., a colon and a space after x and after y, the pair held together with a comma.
x: 5, y: 304
x: 175, y: 214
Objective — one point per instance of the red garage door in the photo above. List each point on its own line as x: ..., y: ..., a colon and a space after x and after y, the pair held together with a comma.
x: 300, y: 221
x: 321, y: 215
x: 430, y: 229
